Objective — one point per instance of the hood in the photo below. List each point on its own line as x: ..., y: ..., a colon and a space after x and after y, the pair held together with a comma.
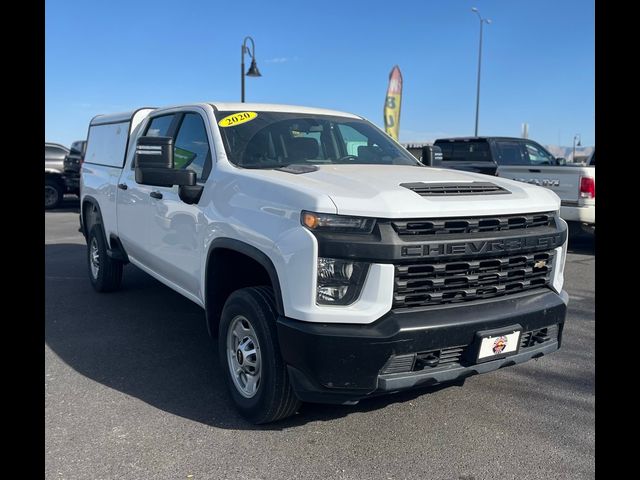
x: 375, y: 191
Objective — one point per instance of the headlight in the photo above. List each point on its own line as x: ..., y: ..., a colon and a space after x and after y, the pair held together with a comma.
x: 325, y: 222
x: 339, y: 281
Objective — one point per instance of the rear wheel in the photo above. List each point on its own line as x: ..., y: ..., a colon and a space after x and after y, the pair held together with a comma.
x: 105, y: 273
x: 53, y: 193
x: 250, y: 357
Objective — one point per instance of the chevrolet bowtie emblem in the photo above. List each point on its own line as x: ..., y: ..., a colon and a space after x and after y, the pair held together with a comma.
x: 540, y: 264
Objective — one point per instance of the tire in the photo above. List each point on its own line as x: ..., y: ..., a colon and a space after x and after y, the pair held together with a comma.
x: 53, y: 193
x: 105, y: 273
x: 250, y: 313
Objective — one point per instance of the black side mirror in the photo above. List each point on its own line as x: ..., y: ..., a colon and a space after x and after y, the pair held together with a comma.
x: 154, y: 164
x: 431, y: 156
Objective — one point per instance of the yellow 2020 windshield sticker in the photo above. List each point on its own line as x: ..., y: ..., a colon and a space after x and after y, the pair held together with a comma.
x: 237, y: 119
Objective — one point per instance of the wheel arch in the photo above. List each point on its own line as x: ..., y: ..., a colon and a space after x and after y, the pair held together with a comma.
x: 87, y: 207
x: 239, y: 249
x: 115, y: 249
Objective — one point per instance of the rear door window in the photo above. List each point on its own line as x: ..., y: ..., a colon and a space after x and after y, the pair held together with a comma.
x: 511, y: 153
x: 159, y: 126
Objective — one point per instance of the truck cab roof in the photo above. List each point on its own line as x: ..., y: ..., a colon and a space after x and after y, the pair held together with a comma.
x: 274, y: 107
x: 121, y: 117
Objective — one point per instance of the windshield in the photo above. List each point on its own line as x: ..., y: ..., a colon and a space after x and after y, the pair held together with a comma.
x: 278, y: 139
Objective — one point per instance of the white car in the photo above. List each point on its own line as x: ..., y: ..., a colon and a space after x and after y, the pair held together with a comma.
x: 331, y: 264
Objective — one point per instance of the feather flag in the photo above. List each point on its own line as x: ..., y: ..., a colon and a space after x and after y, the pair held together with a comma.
x: 392, y: 103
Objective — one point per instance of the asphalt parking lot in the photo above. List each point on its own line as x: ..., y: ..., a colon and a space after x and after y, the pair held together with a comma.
x: 134, y: 390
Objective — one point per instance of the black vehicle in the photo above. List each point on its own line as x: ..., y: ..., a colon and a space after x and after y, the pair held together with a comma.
x: 73, y: 164
x: 56, y: 182
x: 485, y: 154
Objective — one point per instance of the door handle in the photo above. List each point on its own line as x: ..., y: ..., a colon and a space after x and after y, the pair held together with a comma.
x: 534, y: 170
x: 157, y: 195
x: 122, y: 186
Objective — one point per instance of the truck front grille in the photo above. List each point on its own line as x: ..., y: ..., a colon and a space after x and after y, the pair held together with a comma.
x: 435, y: 282
x: 444, y: 226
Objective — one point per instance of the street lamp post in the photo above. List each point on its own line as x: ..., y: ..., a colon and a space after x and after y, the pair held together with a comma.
x: 482, y: 22
x: 253, y: 68
x: 578, y: 137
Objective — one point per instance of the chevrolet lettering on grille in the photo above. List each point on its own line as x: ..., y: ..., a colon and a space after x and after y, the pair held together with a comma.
x: 480, y: 246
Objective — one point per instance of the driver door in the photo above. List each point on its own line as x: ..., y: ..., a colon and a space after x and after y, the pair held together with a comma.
x: 175, y: 228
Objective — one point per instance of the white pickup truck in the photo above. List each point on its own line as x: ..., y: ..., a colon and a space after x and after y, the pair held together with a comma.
x: 527, y: 161
x: 574, y: 184
x: 332, y: 266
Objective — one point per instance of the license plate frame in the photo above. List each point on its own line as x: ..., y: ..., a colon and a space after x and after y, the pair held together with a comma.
x: 487, y: 341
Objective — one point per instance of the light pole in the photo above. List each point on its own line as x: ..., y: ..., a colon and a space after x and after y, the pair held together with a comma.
x: 253, y: 68
x: 482, y: 22
x: 576, y: 136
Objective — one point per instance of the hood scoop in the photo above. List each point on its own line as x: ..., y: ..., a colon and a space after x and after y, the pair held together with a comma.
x: 451, y: 189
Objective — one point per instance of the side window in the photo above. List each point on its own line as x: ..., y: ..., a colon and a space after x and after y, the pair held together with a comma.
x: 537, y: 156
x: 510, y: 153
x: 159, y: 126
x: 470, y: 151
x: 191, y: 146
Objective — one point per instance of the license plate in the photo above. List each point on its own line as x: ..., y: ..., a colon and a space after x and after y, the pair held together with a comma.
x: 499, y: 345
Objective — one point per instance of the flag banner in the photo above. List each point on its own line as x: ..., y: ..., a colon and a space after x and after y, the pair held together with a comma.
x: 392, y: 103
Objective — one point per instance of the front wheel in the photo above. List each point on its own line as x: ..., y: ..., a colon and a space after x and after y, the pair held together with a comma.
x: 250, y: 357
x: 105, y: 273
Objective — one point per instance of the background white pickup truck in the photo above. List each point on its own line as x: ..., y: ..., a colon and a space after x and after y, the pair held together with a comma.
x: 331, y: 264
x: 574, y: 184
x: 527, y: 161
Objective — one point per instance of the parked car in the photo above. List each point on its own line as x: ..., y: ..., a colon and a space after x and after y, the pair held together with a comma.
x: 527, y: 161
x: 72, y: 163
x: 332, y: 266
x: 55, y: 182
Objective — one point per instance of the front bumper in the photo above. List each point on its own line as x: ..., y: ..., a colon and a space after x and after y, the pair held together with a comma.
x: 340, y: 363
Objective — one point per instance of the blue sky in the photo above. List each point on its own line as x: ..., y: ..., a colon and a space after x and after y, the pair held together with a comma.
x: 538, y: 61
